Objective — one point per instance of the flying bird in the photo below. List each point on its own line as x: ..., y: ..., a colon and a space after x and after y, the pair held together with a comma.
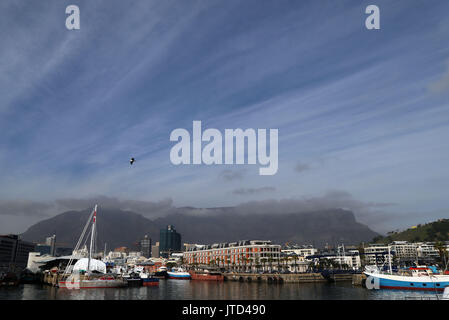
x: 131, y: 161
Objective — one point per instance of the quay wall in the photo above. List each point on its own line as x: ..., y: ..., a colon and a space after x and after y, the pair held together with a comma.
x: 275, y: 278
x: 359, y: 280
x: 52, y: 278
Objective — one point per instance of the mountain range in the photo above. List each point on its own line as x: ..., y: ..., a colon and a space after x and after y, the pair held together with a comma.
x: 125, y: 228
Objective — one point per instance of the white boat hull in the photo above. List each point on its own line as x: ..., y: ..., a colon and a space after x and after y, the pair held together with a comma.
x: 424, y: 283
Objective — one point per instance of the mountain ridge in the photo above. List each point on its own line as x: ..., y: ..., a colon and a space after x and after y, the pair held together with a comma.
x: 429, y: 232
x: 125, y: 228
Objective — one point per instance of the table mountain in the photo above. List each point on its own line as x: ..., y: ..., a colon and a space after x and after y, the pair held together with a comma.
x: 125, y: 228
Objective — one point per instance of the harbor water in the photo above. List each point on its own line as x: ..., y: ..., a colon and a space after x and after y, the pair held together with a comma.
x: 210, y: 290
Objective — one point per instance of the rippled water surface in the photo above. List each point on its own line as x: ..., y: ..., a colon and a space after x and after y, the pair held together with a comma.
x: 200, y: 290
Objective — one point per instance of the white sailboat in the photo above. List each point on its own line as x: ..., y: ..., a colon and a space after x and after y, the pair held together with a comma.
x: 89, y: 272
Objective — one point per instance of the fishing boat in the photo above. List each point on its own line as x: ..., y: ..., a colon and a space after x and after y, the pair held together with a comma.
x: 414, y: 278
x: 420, y: 278
x: 133, y: 279
x: 149, y: 280
x: 178, y: 274
x: 161, y: 272
x: 207, y: 275
x: 89, y: 272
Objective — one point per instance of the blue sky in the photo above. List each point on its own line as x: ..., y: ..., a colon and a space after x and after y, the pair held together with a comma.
x: 363, y: 114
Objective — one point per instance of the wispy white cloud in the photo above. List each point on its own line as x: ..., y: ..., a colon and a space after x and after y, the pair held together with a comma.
x: 74, y: 106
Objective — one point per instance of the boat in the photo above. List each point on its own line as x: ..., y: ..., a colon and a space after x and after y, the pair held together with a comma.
x: 414, y: 278
x: 89, y: 272
x: 178, y: 274
x: 133, y: 279
x: 149, y: 280
x: 161, y: 272
x: 206, y: 275
x: 28, y: 277
x: 8, y: 279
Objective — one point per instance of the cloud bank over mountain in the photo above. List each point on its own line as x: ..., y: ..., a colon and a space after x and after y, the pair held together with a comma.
x: 370, y: 213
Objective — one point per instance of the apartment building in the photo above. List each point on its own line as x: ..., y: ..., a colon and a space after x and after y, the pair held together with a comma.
x: 245, y: 255
x: 376, y: 254
x: 300, y: 251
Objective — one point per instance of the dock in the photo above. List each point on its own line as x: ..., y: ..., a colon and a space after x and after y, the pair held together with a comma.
x: 52, y: 278
x: 275, y: 278
x: 359, y: 280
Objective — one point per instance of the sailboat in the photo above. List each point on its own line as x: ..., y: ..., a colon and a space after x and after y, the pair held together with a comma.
x: 88, y: 272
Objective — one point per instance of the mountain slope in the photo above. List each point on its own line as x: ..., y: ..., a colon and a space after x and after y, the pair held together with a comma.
x: 318, y: 227
x: 433, y: 231
x: 115, y: 227
x: 125, y: 228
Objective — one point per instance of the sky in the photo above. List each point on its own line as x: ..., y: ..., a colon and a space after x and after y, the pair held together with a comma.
x: 362, y: 115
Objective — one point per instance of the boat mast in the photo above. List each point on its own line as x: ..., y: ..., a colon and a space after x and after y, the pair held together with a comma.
x: 92, y: 237
x: 389, y: 259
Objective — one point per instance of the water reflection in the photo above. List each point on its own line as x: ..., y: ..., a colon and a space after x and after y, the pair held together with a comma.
x: 202, y: 290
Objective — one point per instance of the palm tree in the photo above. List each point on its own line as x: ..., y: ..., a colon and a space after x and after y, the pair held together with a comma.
x: 286, y: 259
x: 270, y: 261
x: 279, y: 260
x: 181, y: 261
x: 250, y: 260
x: 295, y: 257
x: 442, y: 250
x: 242, y: 262
x: 311, y: 266
x: 257, y: 263
x: 263, y: 260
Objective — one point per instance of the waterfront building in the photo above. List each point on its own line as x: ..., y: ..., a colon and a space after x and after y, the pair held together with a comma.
x: 187, y: 246
x: 117, y: 259
x: 83, y: 252
x: 51, y: 242
x: 121, y: 249
x: 243, y: 255
x: 170, y: 241
x: 116, y: 255
x: 301, y: 251
x: 155, y: 250
x: 404, y: 251
x: 35, y: 260
x: 134, y: 258
x: 145, y: 246
x: 293, y: 262
x: 134, y: 254
x: 377, y: 254
x: 176, y: 257
x: 43, y: 249
x: 63, y: 251
x: 14, y: 253
x: 426, y: 250
x: 349, y: 258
